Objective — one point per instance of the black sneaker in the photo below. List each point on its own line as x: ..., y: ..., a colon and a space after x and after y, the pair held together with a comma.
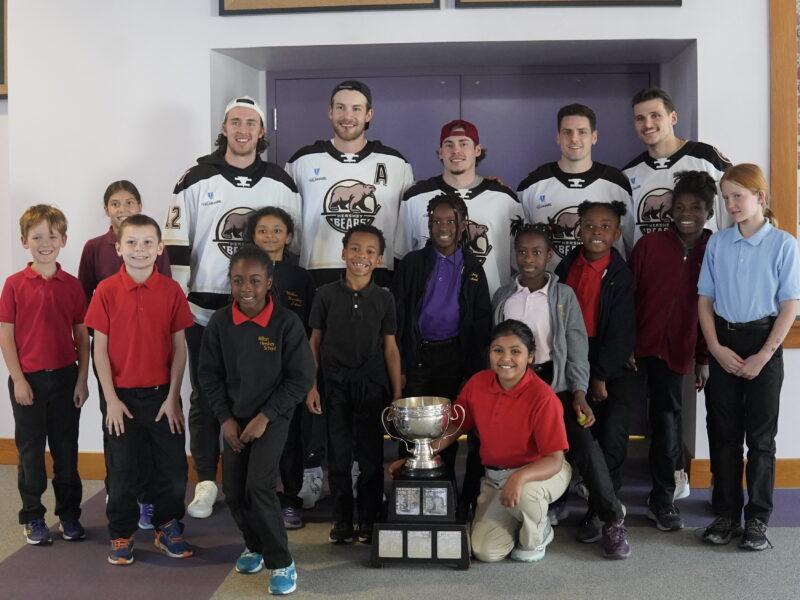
x: 755, y: 535
x: 590, y: 528
x: 667, y: 518
x: 341, y: 533
x: 365, y: 533
x: 720, y: 531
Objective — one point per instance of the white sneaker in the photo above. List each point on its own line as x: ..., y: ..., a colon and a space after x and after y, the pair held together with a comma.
x: 205, y: 494
x: 536, y: 554
x: 311, y: 492
x: 682, y: 489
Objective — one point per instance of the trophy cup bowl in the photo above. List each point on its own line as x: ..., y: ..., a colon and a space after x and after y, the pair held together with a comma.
x: 420, y: 420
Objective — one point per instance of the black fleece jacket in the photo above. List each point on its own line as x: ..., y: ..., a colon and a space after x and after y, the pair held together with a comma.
x: 408, y: 287
x: 615, y: 339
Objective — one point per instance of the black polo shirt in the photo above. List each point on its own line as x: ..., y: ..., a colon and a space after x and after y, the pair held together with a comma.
x: 353, y: 323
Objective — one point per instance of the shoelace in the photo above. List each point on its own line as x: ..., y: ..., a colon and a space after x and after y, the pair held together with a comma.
x: 203, y: 492
x: 283, y: 572
x: 119, y: 543
x: 616, y: 531
x: 756, y: 527
x: 148, y: 509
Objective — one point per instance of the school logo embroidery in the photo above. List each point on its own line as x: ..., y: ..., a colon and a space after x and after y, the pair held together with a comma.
x: 230, y: 229
x: 242, y: 181
x: 478, y: 240
x: 267, y: 344
x: 566, y: 230
x: 652, y: 214
x: 350, y: 202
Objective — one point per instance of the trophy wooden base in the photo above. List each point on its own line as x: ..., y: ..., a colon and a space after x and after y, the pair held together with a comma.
x: 421, y: 526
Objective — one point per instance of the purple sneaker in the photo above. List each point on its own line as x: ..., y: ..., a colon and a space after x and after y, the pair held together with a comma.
x: 292, y: 517
x: 145, y: 516
x: 615, y: 541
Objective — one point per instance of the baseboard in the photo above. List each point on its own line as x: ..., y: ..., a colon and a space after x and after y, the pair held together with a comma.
x: 787, y: 473
x: 91, y: 465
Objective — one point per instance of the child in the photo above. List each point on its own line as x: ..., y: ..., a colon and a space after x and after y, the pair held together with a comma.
x: 139, y: 317
x: 255, y: 367
x: 41, y: 337
x: 100, y: 260
x: 443, y: 318
x: 551, y: 310
x: 666, y: 266
x: 272, y: 229
x: 353, y: 340
x: 603, y: 285
x: 744, y: 329
x: 522, y: 443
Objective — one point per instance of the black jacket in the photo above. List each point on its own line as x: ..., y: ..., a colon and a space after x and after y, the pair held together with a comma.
x: 615, y: 339
x: 408, y: 286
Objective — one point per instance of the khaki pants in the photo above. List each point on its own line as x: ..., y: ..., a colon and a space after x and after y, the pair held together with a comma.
x: 496, y: 528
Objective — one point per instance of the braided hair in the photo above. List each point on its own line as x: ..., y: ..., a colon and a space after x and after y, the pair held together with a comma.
x: 519, y: 228
x: 455, y: 202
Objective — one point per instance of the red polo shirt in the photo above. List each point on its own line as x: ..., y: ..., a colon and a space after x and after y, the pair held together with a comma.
x: 585, y: 278
x: 139, y: 320
x: 43, y: 312
x: 517, y: 426
x: 261, y: 319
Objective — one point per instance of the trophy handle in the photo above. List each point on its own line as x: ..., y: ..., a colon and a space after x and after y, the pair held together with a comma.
x: 389, y: 433
x: 454, y: 417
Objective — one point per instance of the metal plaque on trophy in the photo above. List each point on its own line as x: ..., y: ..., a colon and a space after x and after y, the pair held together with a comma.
x: 421, y: 519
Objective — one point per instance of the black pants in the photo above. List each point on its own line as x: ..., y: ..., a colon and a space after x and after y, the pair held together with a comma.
x: 291, y: 463
x: 743, y: 410
x: 125, y: 455
x: 52, y: 418
x: 249, y: 480
x: 203, y: 425
x: 665, y: 389
x: 585, y: 454
x: 354, y: 425
x: 145, y: 495
x: 613, y: 422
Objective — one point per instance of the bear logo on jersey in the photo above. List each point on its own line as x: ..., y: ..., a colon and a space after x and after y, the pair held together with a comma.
x: 350, y: 202
x: 566, y: 229
x: 230, y: 230
x: 653, y: 212
x: 478, y: 240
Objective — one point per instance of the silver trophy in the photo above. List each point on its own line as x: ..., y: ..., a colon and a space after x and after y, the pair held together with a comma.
x: 421, y: 420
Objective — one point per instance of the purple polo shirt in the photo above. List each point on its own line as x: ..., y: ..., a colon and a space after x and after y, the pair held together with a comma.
x: 440, y: 314
x: 100, y: 260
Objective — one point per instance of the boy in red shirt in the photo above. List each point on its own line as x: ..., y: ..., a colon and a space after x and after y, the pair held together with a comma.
x: 41, y: 337
x: 666, y: 266
x: 139, y: 317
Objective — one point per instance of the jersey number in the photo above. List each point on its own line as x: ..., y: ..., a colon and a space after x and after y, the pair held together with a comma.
x: 174, y: 218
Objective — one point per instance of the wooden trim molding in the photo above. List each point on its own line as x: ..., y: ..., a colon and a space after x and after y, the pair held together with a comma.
x: 787, y: 473
x: 91, y: 465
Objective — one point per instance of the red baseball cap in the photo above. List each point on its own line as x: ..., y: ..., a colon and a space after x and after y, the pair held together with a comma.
x: 469, y: 130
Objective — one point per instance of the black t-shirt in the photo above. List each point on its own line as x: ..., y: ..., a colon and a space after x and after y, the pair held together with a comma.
x: 353, y: 323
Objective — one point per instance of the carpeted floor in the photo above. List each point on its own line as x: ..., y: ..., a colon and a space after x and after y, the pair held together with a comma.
x: 668, y: 566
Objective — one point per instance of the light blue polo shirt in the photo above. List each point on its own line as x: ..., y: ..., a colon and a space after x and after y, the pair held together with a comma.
x: 748, y: 277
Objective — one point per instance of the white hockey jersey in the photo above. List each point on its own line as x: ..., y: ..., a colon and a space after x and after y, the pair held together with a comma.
x: 652, y: 180
x: 551, y: 196
x: 492, y: 209
x: 340, y: 190
x: 207, y: 218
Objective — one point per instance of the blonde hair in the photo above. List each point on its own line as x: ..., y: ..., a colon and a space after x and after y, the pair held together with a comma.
x: 42, y: 212
x: 751, y: 177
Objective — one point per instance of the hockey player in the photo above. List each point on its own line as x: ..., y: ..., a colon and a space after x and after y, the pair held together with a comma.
x: 551, y: 194
x: 492, y: 206
x: 651, y: 174
x: 203, y: 230
x: 347, y: 181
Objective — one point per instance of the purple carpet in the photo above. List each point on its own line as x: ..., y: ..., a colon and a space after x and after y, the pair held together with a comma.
x: 86, y: 573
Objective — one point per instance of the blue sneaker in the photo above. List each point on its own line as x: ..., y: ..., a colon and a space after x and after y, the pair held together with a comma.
x: 121, y: 551
x: 283, y: 581
x: 37, y: 533
x: 145, y: 516
x: 249, y: 562
x: 169, y: 539
x: 72, y: 530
